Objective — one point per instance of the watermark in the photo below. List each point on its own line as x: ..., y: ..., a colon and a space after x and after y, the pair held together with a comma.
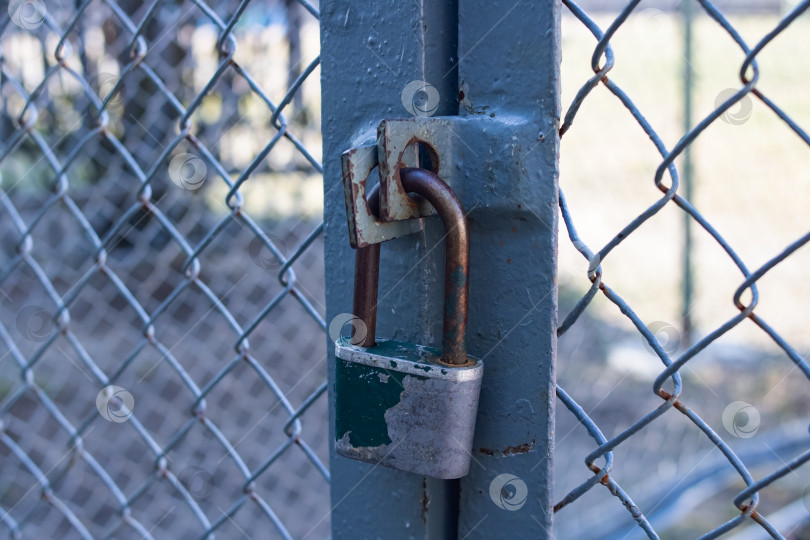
x: 106, y: 83
x: 27, y: 14
x: 420, y: 98
x: 341, y: 15
x: 806, y: 498
x: 358, y: 332
x: 260, y: 254
x: 737, y: 114
x: 188, y: 171
x: 35, y: 323
x: 115, y: 404
x: 654, y: 25
x: 508, y: 492
x: 741, y: 419
x: 667, y: 336
x: 197, y: 481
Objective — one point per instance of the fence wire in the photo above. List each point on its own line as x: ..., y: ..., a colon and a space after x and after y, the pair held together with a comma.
x: 161, y: 316
x: 669, y: 384
x: 147, y: 214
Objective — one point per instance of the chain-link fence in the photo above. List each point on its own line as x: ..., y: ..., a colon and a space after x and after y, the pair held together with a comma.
x: 677, y: 458
x: 163, y: 372
x: 161, y: 280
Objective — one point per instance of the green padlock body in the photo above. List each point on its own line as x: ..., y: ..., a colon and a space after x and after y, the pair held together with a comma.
x: 397, y: 405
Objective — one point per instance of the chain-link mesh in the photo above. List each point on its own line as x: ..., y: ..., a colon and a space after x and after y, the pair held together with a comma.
x: 161, y: 276
x: 666, y: 427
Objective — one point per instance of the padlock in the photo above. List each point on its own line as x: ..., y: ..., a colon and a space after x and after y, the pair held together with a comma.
x: 403, y: 405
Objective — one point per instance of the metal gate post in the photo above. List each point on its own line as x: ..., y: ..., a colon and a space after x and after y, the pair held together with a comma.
x: 495, y: 68
x: 370, y: 52
x: 509, y: 55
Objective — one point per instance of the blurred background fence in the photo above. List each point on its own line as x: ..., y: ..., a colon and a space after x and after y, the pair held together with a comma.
x: 683, y: 164
x: 160, y: 202
x: 137, y: 259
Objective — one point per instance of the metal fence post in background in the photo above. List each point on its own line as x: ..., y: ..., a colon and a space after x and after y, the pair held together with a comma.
x: 502, y: 110
x: 687, y: 172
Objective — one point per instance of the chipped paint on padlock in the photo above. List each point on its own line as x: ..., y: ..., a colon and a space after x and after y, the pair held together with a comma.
x: 366, y: 393
x: 398, y: 405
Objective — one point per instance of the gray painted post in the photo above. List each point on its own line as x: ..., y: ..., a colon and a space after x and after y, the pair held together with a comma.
x: 509, y: 71
x: 370, y: 51
x: 504, y: 146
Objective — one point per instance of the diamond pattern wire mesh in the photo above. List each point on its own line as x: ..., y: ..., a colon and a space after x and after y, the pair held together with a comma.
x: 125, y: 270
x: 669, y: 385
x: 161, y: 325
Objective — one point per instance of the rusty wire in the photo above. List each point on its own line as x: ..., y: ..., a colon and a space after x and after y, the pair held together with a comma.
x: 600, y: 461
x: 58, y: 155
x: 106, y: 504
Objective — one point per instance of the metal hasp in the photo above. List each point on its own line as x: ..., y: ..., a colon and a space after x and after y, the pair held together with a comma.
x: 365, y: 228
x: 394, y: 139
x: 403, y: 405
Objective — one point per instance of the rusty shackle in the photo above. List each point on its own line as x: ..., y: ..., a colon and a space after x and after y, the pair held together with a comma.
x: 456, y: 267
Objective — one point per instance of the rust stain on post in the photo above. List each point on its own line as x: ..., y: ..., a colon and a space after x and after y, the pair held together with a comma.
x: 519, y: 449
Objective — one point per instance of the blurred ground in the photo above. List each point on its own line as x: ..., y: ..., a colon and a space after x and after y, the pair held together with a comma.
x: 287, y: 343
